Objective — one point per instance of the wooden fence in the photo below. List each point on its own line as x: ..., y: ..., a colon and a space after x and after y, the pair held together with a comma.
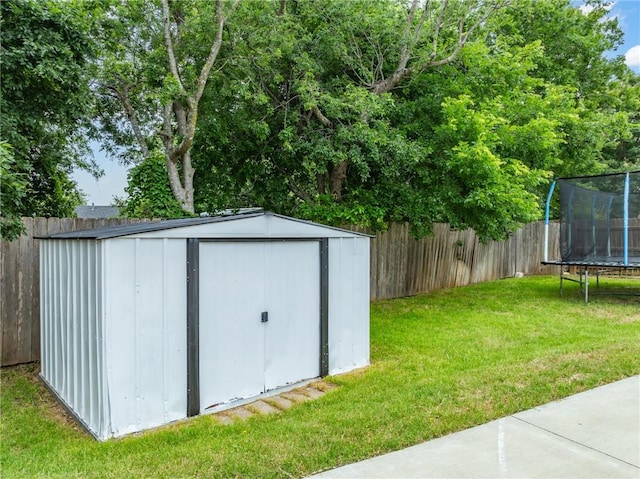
x: 400, y: 266
x: 404, y: 266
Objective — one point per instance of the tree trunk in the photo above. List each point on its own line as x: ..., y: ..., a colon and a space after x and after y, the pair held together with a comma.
x: 337, y: 175
x: 180, y: 118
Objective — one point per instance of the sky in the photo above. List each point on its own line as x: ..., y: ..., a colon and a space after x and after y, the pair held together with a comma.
x: 114, y: 180
x: 628, y: 14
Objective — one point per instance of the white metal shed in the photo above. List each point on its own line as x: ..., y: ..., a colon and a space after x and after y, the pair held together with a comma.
x: 144, y: 324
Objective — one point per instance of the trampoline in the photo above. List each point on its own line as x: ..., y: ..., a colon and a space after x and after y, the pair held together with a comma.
x: 599, y: 225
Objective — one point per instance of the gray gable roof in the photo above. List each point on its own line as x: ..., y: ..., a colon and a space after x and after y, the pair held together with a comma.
x: 136, y: 228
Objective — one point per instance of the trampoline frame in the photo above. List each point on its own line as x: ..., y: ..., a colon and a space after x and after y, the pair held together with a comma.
x: 625, y: 262
x: 583, y: 275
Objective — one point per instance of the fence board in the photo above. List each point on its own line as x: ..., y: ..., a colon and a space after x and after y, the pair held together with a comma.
x: 10, y: 281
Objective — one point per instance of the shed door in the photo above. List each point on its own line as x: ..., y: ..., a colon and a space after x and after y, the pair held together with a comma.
x: 240, y: 354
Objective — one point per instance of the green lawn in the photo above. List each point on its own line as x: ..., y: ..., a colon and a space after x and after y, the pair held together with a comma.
x: 440, y: 363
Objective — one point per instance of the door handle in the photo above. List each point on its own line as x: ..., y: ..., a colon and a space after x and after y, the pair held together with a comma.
x: 264, y: 317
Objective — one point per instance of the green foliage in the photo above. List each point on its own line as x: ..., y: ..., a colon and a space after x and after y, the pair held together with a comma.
x: 149, y: 194
x: 601, y: 93
x: 131, y: 67
x: 473, y: 143
x: 45, y: 98
x: 296, y: 123
x: 12, y: 190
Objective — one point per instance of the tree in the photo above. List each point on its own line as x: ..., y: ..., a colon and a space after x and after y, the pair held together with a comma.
x: 318, y: 101
x: 148, y: 191
x: 155, y: 76
x: 45, y: 99
x: 12, y: 191
x: 371, y: 49
x: 385, y: 110
x: 601, y: 90
x: 624, y: 154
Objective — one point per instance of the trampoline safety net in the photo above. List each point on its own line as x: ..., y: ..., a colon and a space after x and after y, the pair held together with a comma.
x: 600, y: 219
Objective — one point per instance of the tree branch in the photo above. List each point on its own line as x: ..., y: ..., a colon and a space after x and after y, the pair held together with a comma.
x: 123, y: 95
x: 403, y: 70
x: 193, y: 101
x: 320, y: 116
x: 406, y: 47
x: 438, y: 27
x: 215, y: 49
x: 303, y: 195
x: 173, y: 65
x: 166, y: 135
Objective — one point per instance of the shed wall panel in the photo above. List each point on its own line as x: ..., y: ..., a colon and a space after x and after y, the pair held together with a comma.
x: 70, y: 317
x: 146, y: 331
x: 232, y: 298
x: 292, y: 335
x: 361, y: 305
x: 348, y: 304
x: 241, y: 356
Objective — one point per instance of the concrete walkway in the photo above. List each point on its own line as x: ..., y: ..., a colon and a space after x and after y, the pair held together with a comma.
x: 594, y: 434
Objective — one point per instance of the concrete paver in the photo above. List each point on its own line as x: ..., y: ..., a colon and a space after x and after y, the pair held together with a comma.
x: 261, y: 407
x: 311, y: 392
x: 595, y: 434
x: 296, y: 397
x: 241, y: 413
x: 273, y: 404
x: 280, y: 402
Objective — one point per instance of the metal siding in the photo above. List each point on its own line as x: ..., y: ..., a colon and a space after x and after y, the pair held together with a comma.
x: 174, y: 327
x: 63, y: 321
x: 91, y: 312
x: 146, y: 329
x: 175, y: 331
x: 114, y: 323
x: 68, y: 314
x: 103, y: 412
x: 232, y: 298
x: 292, y: 335
x: 240, y: 356
x: 75, y: 325
x: 340, y: 298
x: 348, y: 304
x: 151, y: 319
x: 361, y: 311
x: 76, y: 321
x: 120, y: 334
x: 45, y: 309
x: 299, y: 229
x: 57, y: 314
x: 55, y: 308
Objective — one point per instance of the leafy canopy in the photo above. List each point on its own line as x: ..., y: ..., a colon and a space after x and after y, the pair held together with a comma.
x: 45, y: 99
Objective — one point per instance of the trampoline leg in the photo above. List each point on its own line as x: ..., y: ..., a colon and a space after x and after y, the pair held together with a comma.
x: 561, y: 278
x: 586, y: 286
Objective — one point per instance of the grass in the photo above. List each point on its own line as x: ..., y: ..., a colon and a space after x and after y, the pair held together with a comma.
x: 440, y: 363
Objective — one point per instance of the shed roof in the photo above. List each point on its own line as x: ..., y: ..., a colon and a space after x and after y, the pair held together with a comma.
x: 137, y: 228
